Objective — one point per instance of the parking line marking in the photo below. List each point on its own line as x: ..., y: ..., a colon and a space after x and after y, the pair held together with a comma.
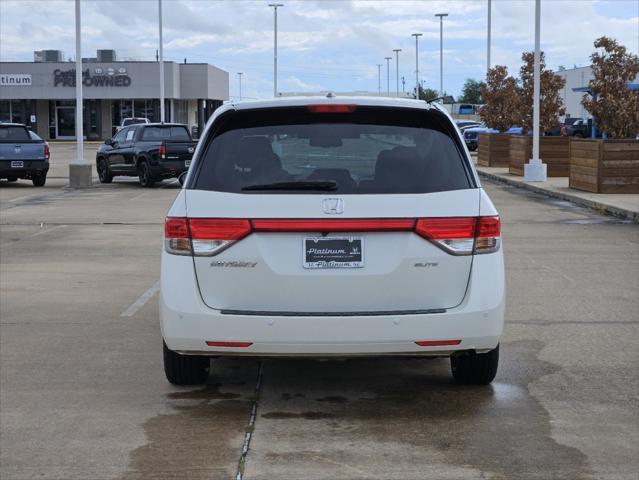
x: 141, y: 301
x: 47, y: 231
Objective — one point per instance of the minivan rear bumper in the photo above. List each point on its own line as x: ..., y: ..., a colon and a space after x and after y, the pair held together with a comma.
x: 187, y: 323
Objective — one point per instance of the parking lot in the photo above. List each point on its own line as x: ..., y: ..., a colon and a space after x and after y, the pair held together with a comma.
x: 83, y: 393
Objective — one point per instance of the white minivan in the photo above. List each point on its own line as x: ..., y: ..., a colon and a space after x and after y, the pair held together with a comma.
x: 332, y: 227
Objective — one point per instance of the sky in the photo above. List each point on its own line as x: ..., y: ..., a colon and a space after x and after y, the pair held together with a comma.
x: 323, y: 44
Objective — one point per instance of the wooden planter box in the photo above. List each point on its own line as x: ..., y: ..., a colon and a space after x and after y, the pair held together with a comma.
x: 554, y: 152
x: 493, y: 150
x: 604, y: 166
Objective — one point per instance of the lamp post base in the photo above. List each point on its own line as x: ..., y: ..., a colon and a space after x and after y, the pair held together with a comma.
x: 535, y: 171
x: 80, y: 175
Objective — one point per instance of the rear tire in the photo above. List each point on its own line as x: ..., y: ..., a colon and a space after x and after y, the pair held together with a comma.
x: 145, y: 174
x: 39, y: 179
x: 104, y: 172
x: 185, y: 369
x: 475, y: 368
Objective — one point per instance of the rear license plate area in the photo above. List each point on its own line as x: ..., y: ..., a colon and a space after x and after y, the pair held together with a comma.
x: 17, y: 164
x: 333, y: 252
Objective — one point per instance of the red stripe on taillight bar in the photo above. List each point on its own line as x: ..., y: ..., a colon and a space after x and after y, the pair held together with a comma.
x: 228, y: 344
x: 332, y: 108
x: 218, y: 228
x: 446, y: 228
x: 334, y: 225
x: 437, y: 343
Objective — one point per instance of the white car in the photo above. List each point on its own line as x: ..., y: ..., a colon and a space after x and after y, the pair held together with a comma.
x: 332, y: 227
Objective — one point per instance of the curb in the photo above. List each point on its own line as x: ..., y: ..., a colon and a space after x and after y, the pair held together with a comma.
x: 591, y: 204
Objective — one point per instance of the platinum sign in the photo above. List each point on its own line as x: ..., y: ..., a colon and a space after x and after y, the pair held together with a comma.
x: 15, y: 80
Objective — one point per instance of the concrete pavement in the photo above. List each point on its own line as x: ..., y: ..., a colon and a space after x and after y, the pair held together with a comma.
x: 83, y: 394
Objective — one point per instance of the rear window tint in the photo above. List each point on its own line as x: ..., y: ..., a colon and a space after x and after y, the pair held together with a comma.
x: 370, y: 151
x: 171, y: 134
x: 14, y: 134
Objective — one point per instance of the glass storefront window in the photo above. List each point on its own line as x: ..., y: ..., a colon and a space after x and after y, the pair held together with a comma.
x: 18, y: 111
x: 5, y: 111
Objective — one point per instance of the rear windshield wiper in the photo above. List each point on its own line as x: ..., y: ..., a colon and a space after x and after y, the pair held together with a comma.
x: 300, y: 185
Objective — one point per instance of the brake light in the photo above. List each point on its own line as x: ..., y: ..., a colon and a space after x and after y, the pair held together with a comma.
x: 333, y: 225
x: 461, y: 235
x: 47, y: 153
x: 176, y: 236
x: 162, y: 152
x: 210, y: 236
x: 332, y: 108
x: 488, y: 235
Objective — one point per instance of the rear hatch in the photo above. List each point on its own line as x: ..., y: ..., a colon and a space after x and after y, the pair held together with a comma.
x: 16, y: 144
x: 295, y: 210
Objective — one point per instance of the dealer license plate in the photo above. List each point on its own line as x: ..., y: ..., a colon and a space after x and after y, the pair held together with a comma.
x: 17, y: 164
x: 333, y: 252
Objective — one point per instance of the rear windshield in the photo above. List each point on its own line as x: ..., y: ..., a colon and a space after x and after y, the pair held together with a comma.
x: 169, y: 134
x: 133, y: 121
x: 14, y: 134
x: 367, y: 151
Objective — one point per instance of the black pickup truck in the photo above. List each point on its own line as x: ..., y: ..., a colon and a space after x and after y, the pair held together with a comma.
x: 150, y: 151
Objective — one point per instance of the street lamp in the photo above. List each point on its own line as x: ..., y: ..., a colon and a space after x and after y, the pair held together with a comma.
x: 379, y: 79
x: 416, y: 35
x: 275, y: 6
x: 161, y: 62
x: 388, y: 59
x: 79, y: 170
x: 397, y: 50
x: 488, y: 40
x: 535, y: 170
x: 441, y: 52
x: 239, y: 76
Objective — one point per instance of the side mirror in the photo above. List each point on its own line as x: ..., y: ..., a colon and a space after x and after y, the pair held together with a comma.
x: 108, y: 141
x: 182, y: 178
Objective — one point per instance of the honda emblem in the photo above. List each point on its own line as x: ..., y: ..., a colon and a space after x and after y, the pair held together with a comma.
x: 333, y: 206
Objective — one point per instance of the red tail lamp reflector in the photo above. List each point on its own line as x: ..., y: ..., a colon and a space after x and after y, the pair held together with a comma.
x: 229, y: 344
x: 218, y: 228
x: 162, y: 151
x: 489, y: 227
x: 437, y: 343
x: 342, y: 225
x: 332, y: 108
x: 446, y: 228
x: 47, y: 152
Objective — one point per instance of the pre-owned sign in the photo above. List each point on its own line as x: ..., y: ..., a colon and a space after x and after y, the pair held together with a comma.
x: 15, y: 80
x: 98, y: 79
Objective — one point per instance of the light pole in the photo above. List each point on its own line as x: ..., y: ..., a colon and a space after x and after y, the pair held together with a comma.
x: 275, y: 6
x: 488, y: 40
x: 535, y: 170
x: 239, y: 76
x: 79, y: 170
x: 416, y: 35
x: 397, y: 50
x: 388, y: 59
x: 161, y: 62
x: 379, y: 79
x: 441, y: 52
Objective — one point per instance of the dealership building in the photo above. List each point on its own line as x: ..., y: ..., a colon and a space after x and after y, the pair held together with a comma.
x: 41, y: 94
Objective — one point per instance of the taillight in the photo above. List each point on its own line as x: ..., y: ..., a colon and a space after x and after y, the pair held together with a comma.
x: 332, y: 108
x: 488, y: 235
x: 461, y: 235
x: 47, y: 153
x: 162, y: 152
x: 209, y: 236
x: 176, y: 236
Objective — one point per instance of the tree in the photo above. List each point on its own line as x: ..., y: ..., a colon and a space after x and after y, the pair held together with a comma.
x: 427, y: 93
x: 551, y: 103
x: 614, y: 106
x: 501, y: 99
x: 471, y: 92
